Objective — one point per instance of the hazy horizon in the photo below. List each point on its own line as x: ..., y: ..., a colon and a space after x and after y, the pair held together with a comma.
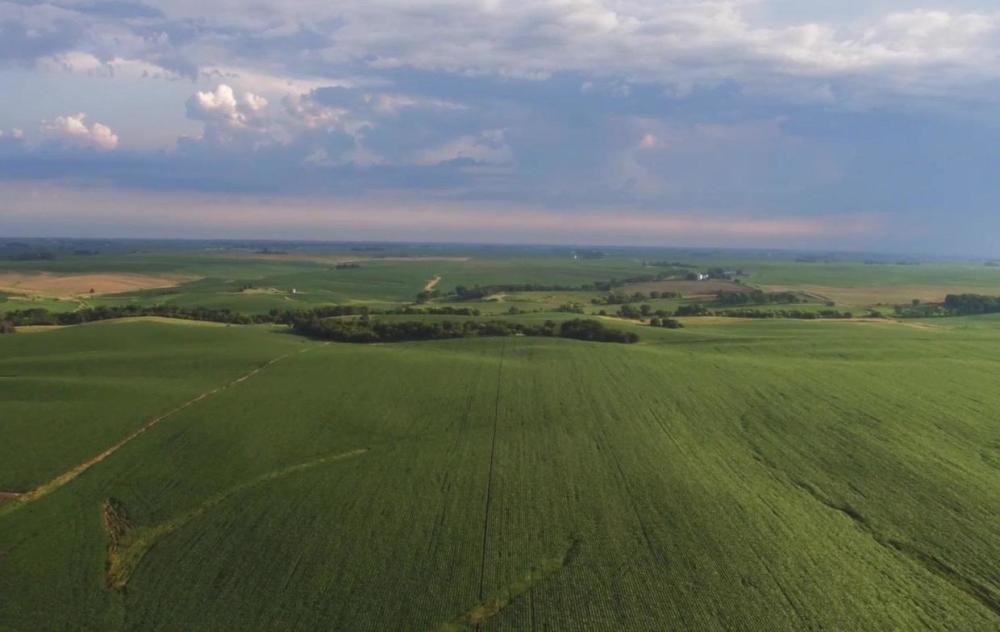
x: 692, y: 249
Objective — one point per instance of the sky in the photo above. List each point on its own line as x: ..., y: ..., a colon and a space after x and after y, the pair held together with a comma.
x: 829, y: 124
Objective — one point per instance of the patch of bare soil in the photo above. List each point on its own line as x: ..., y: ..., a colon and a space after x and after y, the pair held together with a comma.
x: 69, y: 285
x: 432, y: 283
x: 7, y: 496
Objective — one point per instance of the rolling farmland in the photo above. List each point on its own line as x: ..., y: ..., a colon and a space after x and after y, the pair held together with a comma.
x: 728, y: 476
x: 562, y: 316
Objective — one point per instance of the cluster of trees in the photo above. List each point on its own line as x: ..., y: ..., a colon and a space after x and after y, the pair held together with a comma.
x: 967, y: 304
x: 570, y: 308
x: 364, y: 330
x: 638, y: 313
x: 347, y: 265
x: 7, y: 327
x: 954, y: 305
x: 756, y: 297
x: 595, y: 331
x: 668, y: 323
x: 692, y: 309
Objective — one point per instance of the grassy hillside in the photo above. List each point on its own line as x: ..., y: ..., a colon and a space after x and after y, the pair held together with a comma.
x: 731, y: 475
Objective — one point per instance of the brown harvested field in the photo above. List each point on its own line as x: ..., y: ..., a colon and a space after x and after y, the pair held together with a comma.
x: 67, y: 285
x: 686, y: 288
x: 888, y: 294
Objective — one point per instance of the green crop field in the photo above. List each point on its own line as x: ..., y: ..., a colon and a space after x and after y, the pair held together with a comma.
x: 731, y: 475
x: 734, y: 474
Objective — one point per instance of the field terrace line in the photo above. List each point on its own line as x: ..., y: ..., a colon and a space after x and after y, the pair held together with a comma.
x: 20, y: 500
x: 128, y: 544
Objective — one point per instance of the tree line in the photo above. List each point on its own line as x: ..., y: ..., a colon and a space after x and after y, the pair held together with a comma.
x: 782, y: 313
x: 954, y: 305
x: 969, y: 304
x: 700, y: 309
x: 366, y: 330
x: 39, y: 316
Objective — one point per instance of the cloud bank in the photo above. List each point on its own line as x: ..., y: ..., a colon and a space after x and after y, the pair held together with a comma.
x: 788, y: 114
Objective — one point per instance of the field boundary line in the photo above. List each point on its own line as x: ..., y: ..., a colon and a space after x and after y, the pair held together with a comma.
x: 489, y: 480
x: 68, y: 476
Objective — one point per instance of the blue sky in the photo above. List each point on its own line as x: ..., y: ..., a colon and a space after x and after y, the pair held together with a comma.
x: 777, y: 123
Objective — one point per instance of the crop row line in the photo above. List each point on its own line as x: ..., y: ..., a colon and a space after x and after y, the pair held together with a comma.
x: 489, y: 480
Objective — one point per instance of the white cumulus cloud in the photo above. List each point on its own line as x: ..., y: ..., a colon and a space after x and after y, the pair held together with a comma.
x: 73, y: 129
x: 221, y: 106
